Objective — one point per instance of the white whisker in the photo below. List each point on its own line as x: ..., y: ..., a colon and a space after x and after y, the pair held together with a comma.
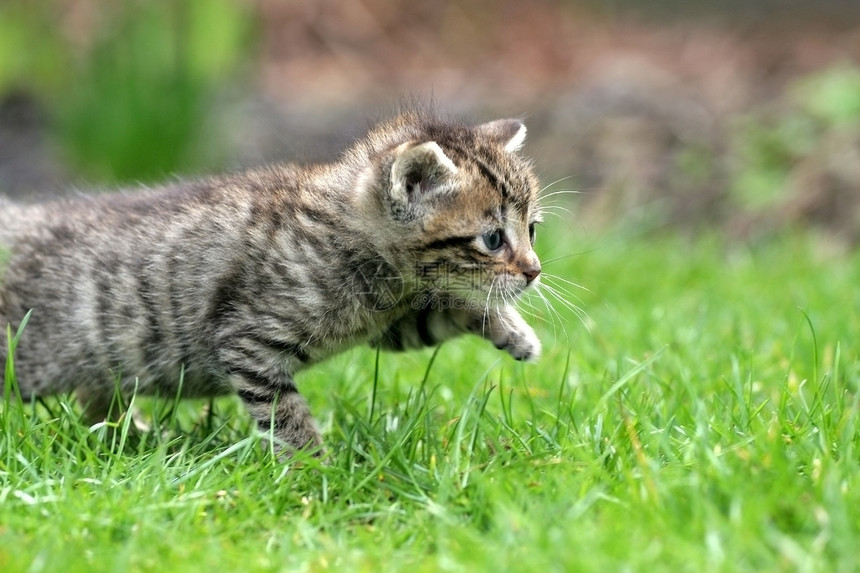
x: 552, y: 210
x: 563, y: 257
x: 574, y: 308
x: 547, y: 186
x: 553, y: 313
x: 551, y: 278
x: 562, y: 192
x: 486, y: 318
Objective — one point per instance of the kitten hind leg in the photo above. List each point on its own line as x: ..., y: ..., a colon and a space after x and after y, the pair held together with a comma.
x: 98, y: 405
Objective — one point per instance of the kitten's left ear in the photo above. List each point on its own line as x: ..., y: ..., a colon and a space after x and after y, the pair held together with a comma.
x: 509, y: 133
x: 418, y: 171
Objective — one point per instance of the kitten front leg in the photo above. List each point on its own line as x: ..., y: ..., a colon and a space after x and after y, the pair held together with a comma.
x: 274, y: 402
x: 423, y: 327
x: 505, y: 328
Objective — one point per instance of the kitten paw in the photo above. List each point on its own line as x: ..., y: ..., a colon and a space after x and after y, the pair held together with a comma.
x: 521, y: 343
x: 507, y: 330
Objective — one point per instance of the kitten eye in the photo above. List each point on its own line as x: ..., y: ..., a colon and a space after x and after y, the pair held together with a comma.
x: 532, y: 233
x: 493, y: 239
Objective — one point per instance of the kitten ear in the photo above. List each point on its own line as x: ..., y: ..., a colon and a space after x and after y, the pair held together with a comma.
x: 419, y: 170
x: 509, y: 133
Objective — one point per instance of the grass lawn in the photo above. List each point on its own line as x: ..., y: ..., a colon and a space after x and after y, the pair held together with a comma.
x: 702, y: 416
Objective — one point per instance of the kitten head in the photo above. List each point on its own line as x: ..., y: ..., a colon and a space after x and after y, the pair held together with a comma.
x: 462, y: 207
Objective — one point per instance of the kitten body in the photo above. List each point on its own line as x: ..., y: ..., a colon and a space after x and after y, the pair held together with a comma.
x: 421, y: 232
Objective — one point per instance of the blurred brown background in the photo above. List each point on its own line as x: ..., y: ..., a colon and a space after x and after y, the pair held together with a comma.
x: 744, y: 116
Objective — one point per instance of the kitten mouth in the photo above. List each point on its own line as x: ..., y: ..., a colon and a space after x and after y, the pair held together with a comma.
x: 510, y: 287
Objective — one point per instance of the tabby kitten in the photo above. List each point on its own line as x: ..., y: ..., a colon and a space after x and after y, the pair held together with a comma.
x: 422, y: 231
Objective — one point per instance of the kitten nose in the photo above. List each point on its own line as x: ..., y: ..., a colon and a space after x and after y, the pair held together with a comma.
x: 531, y: 272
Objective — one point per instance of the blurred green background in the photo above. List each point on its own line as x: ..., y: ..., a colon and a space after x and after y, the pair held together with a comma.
x: 740, y: 116
x: 128, y: 89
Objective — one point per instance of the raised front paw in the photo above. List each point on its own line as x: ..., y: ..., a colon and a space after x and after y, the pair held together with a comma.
x: 521, y: 342
x: 506, y: 329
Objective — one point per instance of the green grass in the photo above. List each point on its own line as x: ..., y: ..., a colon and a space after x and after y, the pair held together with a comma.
x: 130, y: 92
x: 706, y: 420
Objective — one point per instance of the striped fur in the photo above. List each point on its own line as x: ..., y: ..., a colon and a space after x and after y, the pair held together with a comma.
x: 241, y: 281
